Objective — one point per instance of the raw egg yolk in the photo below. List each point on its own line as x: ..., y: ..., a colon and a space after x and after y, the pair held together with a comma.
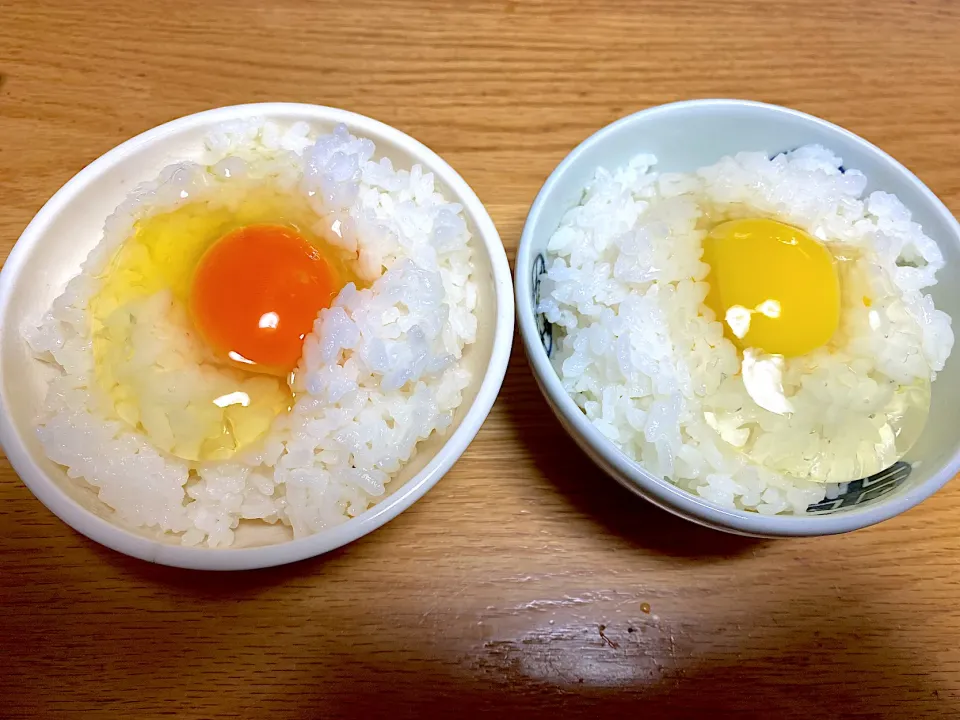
x: 256, y: 293
x: 772, y: 286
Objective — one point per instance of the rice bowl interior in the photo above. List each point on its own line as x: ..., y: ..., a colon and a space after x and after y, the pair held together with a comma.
x: 592, y: 242
x: 72, y: 233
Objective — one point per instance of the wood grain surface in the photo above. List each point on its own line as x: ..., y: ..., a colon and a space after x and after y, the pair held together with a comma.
x: 526, y: 584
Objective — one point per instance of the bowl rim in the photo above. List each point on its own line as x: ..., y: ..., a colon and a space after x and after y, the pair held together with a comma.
x: 129, y: 543
x: 631, y: 474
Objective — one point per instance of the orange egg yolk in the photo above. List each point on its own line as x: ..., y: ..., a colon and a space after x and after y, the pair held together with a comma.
x: 256, y: 293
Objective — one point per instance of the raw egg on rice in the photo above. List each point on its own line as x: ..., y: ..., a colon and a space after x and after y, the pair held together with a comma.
x: 201, y: 317
x: 779, y: 294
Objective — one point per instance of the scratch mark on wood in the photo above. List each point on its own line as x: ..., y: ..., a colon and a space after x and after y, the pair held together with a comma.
x: 606, y: 640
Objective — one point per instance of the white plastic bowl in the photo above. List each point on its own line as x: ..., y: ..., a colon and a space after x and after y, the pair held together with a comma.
x: 688, y: 135
x: 49, y: 253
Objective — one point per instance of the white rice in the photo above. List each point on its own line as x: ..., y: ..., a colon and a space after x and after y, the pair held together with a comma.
x: 379, y: 373
x: 649, y: 365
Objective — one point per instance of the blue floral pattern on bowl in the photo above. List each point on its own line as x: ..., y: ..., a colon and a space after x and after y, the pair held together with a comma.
x: 544, y: 327
x: 867, y: 490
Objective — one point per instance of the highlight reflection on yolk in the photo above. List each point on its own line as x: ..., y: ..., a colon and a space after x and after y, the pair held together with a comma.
x: 772, y: 286
x: 256, y: 293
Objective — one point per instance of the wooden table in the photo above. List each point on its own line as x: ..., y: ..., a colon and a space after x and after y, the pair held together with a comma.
x: 525, y: 580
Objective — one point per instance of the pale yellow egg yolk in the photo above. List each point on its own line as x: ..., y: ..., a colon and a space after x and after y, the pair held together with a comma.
x: 773, y: 286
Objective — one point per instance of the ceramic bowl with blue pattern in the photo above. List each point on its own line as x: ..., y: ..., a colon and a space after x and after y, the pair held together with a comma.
x: 685, y: 136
